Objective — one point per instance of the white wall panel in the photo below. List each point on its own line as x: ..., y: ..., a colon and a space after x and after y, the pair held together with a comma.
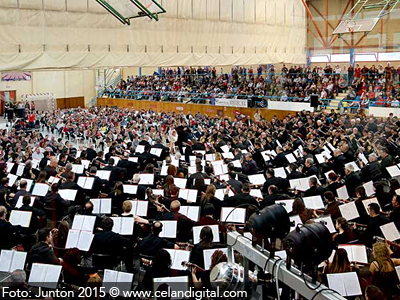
x: 8, y: 3
x: 289, y: 17
x: 30, y: 4
x: 271, y: 11
x: 49, y: 82
x: 213, y: 10
x: 171, y: 6
x: 238, y: 11
x: 77, y: 5
x: 55, y: 4
x: 260, y: 11
x: 280, y: 12
x: 226, y: 10
x: 95, y: 7
x: 200, y: 9
x: 249, y: 11
x: 185, y: 9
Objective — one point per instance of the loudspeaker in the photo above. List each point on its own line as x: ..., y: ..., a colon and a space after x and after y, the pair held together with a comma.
x: 314, y: 101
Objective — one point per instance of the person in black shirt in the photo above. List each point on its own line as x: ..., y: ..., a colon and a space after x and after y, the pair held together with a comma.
x: 9, y: 234
x: 42, y: 252
x: 249, y: 166
x: 152, y: 243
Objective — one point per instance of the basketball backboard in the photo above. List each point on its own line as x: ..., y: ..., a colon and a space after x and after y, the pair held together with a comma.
x: 125, y: 10
x: 355, y: 26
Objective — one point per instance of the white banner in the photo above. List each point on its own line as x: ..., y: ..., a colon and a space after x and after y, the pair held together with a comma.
x: 384, y: 111
x: 291, y: 106
x: 231, y: 102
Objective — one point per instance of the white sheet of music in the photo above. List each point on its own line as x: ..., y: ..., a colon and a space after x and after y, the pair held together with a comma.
x: 192, y: 212
x: 217, y: 162
x: 256, y: 193
x: 68, y: 194
x: 10, y: 165
x: 208, y: 253
x: 164, y: 170
x: 139, y: 149
x: 393, y: 171
x: 12, y: 260
x: 287, y: 204
x: 313, y: 202
x: 210, y: 157
x: 220, y: 169
x: 124, y: 281
x: 130, y: 189
x: 169, y: 229
x: 20, y: 169
x: 85, y: 163
x: 156, y: 151
x: 179, y: 284
x: 86, y: 182
x: 78, y: 169
x: 356, y: 253
x: 12, y: 179
x: 321, y: 157
x: 398, y: 192
x: 197, y: 230
x: 133, y: 159
x: 390, y: 232
x: 346, y: 284
x: 355, y: 166
x: 223, y: 177
x: 290, y: 158
x: 40, y: 189
x: 101, y: 206
x: 237, y: 216
x: 103, y: 174
x: 327, y: 174
x: 220, y: 194
x: 349, y: 211
x: 116, y: 159
x: 53, y: 179
x: 139, y: 208
x: 44, y: 275
x: 342, y: 193
x: 188, y: 194
x: 84, y: 223
x: 228, y: 155
x: 257, y: 179
x: 236, y: 163
x: 29, y: 183
x: 296, y: 219
x: 191, y: 170
x: 123, y: 225
x: 225, y: 148
x: 265, y: 156
x: 280, y: 172
x: 177, y: 257
x: 19, y: 217
x: 327, y: 221
x: 367, y: 202
x: 363, y: 158
x: 146, y: 179
x: 158, y: 192
x: 85, y: 240
x: 19, y: 202
x: 180, y: 182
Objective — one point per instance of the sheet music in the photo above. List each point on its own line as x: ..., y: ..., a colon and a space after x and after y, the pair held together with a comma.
x: 192, y: 212
x: 228, y: 155
x: 355, y: 166
x: 349, y: 211
x: 313, y: 202
x: 177, y: 257
x: 347, y: 284
x: 398, y: 192
x: 19, y: 217
x: 68, y: 194
x: 53, y: 179
x: 367, y: 202
x: 237, y: 216
x: 210, y: 157
x: 327, y: 221
x: 390, y: 232
x: 35, y: 163
x: 20, y: 169
x: 188, y: 194
x: 139, y: 208
x: 356, y: 253
x: 191, y: 170
x: 208, y: 253
x: 257, y: 179
x: 84, y: 223
x: 18, y: 261
x: 327, y: 174
x: 44, y: 275
x: 40, y: 189
x: 156, y: 151
x: 256, y: 193
x: 393, y: 171
x: 116, y: 159
x: 78, y: 169
x: 363, y: 158
x: 342, y: 193
x: 225, y: 148
x: 139, y: 149
x: 224, y: 177
x: 180, y: 182
x: 169, y: 229
x: 12, y: 179
x: 287, y: 204
x: 217, y: 162
x: 6, y: 258
x: 29, y: 183
x: 265, y: 156
x: 101, y: 206
x: 105, y: 175
x: 85, y: 240
x: 280, y: 172
x: 220, y: 194
x: 296, y: 219
x: 321, y: 157
x: 130, y: 189
x: 164, y: 170
x: 220, y: 169
x: 124, y: 281
x: 86, y: 182
x: 19, y: 202
x: 290, y: 158
x: 133, y: 159
x: 10, y: 165
x: 236, y: 163
x: 397, y: 268
x: 335, y: 282
x: 72, y: 239
x: 123, y: 225
x: 179, y: 284
x: 146, y: 179
x: 197, y: 230
x: 85, y: 163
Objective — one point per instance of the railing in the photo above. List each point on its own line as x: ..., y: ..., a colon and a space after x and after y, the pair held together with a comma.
x: 111, y: 83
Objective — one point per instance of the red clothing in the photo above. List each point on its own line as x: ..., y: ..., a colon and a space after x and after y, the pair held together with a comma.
x: 31, y: 118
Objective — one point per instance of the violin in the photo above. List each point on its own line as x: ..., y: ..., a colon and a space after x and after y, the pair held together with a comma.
x: 184, y: 245
x: 190, y: 265
x: 382, y: 240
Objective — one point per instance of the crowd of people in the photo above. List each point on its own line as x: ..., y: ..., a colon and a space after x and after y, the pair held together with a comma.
x: 365, y: 86
x: 156, y: 157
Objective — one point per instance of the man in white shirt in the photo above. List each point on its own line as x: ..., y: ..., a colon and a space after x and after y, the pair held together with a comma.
x: 38, y: 155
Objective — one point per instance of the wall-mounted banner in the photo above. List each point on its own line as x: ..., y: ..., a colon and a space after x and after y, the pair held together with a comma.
x: 15, y: 76
x: 231, y: 102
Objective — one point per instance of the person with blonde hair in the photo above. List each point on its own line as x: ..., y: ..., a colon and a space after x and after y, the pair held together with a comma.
x: 209, y: 197
x: 383, y: 269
